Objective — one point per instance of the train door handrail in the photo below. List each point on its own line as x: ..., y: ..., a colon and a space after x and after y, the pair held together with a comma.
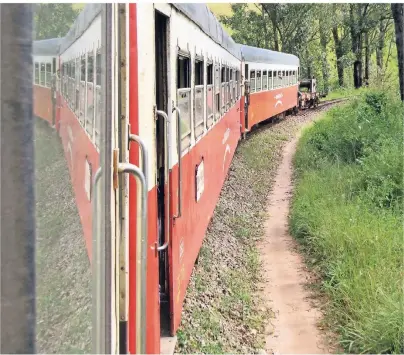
x: 141, y: 253
x: 179, y: 151
x: 167, y: 181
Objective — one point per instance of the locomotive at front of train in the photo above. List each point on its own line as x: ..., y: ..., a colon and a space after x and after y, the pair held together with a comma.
x: 272, y: 84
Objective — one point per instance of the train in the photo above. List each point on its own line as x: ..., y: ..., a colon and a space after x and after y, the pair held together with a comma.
x: 160, y: 92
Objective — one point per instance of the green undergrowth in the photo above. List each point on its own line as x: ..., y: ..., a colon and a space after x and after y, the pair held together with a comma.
x: 347, y: 214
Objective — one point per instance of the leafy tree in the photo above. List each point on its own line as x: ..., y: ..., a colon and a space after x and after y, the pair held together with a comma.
x: 53, y: 20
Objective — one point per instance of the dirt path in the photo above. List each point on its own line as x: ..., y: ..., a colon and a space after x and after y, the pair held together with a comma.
x: 294, y: 327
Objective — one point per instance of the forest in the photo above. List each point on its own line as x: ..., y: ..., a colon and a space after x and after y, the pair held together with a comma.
x: 341, y: 45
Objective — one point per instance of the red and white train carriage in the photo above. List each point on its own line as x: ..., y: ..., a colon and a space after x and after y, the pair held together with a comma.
x: 173, y: 83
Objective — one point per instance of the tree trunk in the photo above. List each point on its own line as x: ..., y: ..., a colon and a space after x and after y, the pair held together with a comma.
x: 274, y: 21
x: 380, y: 46
x: 398, y: 15
x: 367, y: 57
x: 338, y: 53
x: 356, y: 37
x: 324, y: 65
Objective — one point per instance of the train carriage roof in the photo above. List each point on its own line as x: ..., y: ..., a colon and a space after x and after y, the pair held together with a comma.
x: 200, y: 14
x: 81, y: 24
x: 47, y: 47
x: 260, y: 55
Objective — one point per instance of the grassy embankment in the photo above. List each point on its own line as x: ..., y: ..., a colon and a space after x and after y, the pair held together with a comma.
x: 347, y: 215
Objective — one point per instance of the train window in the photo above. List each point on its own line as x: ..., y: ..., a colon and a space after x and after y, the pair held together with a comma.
x: 53, y: 65
x: 198, y: 72
x: 232, y: 86
x: 217, y: 91
x: 183, y: 73
x: 42, y: 76
x: 270, y: 83
x: 90, y: 68
x: 83, y: 69
x: 77, y: 86
x: 287, y: 78
x: 258, y: 81
x: 90, y: 94
x: 252, y: 81
x: 198, y: 98
x: 279, y: 79
x: 97, y: 115
x: 98, y: 69
x: 246, y: 71
x: 72, y: 83
x: 184, y: 98
x: 284, y: 82
x: 223, y: 91
x: 238, y: 84
x: 209, y: 95
x: 82, y: 88
x: 264, y: 80
x: 36, y: 76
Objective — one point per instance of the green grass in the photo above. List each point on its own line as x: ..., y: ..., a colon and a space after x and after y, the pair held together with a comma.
x: 347, y: 215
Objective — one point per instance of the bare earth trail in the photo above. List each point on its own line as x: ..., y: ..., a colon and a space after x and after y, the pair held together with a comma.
x: 293, y: 329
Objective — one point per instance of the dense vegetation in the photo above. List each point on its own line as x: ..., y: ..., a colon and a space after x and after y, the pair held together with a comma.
x: 347, y: 214
x: 340, y: 44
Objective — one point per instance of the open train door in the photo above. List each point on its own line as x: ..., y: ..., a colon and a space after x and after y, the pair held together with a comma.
x: 120, y: 202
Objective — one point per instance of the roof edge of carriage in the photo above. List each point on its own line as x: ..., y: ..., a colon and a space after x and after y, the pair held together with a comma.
x: 47, y: 47
x: 198, y: 13
x: 81, y: 24
x: 267, y: 56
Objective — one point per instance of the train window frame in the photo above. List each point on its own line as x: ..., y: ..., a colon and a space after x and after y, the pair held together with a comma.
x: 270, y: 80
x: 217, y: 90
x: 258, y: 81
x: 36, y: 73
x: 199, y: 90
x: 264, y: 80
x: 252, y: 80
x: 280, y: 78
x: 89, y: 112
x: 210, y: 92
x: 98, y: 103
x: 223, y: 98
x: 184, y: 93
x: 246, y: 71
x: 238, y: 85
x: 42, y: 75
x: 284, y: 83
x: 76, y: 110
x: 82, y: 90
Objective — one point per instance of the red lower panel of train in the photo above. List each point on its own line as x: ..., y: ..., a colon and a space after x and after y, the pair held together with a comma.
x: 266, y: 104
x: 43, y: 103
x: 210, y: 158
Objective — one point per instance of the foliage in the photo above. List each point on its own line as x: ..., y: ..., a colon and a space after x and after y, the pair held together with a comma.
x: 325, y: 37
x: 53, y: 20
x: 347, y: 214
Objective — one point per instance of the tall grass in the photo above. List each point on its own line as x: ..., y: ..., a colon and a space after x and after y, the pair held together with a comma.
x: 347, y: 215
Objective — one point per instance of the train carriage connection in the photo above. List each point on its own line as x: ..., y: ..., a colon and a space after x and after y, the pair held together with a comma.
x: 160, y: 92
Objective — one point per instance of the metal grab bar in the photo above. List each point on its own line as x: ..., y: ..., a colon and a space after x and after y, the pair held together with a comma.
x: 141, y: 253
x: 98, y: 273
x: 179, y: 151
x: 167, y: 179
x: 143, y: 152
